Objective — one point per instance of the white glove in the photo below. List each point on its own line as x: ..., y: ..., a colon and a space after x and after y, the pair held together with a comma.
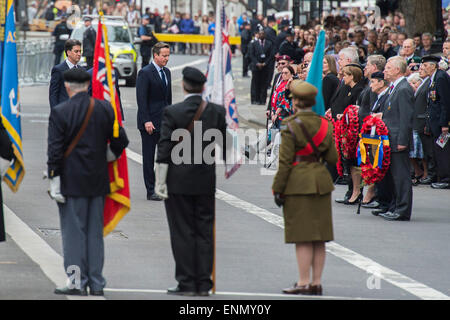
x: 110, y: 156
x: 4, y: 166
x: 160, y: 180
x: 55, y: 190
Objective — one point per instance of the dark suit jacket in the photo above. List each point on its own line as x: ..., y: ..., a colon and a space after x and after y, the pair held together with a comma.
x: 439, y: 108
x: 85, y: 172
x: 420, y: 107
x: 398, y: 115
x: 151, y: 99
x: 189, y: 179
x: 57, y: 91
x: 381, y: 104
x: 366, y: 101
x: 330, y: 85
x: 258, y: 54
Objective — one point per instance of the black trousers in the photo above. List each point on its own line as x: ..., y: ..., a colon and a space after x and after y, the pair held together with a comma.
x: 191, y: 222
x: 149, y: 142
x: 384, y: 191
x: 400, y: 176
x: 145, y: 61
x: 442, y: 158
x: 259, y: 85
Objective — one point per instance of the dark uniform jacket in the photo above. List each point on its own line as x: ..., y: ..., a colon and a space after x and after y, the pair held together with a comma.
x: 146, y: 46
x: 84, y: 173
x: 150, y: 96
x: 292, y: 50
x: 59, y: 30
x: 258, y: 54
x: 246, y: 38
x: 184, y: 178
x: 57, y: 90
x: 330, y: 85
x: 420, y: 107
x: 89, y: 37
x: 439, y: 103
x: 280, y: 38
x: 398, y: 115
x: 271, y: 35
x: 305, y: 178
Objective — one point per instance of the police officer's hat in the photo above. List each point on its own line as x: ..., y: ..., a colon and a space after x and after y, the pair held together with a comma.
x: 87, y: 18
x: 193, y: 75
x: 285, y: 23
x: 377, y: 75
x: 304, y: 91
x: 259, y: 28
x: 290, y: 32
x: 271, y: 19
x: 433, y: 59
x: 77, y: 75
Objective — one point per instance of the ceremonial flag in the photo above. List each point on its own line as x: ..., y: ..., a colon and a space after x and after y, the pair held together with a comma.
x: 117, y: 203
x: 315, y: 73
x: 220, y: 88
x: 10, y: 100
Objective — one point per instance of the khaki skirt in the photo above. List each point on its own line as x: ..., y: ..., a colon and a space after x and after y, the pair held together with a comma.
x: 308, y: 218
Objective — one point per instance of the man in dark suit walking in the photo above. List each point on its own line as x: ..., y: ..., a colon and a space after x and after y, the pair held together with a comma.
x: 189, y: 184
x: 57, y: 90
x: 261, y: 56
x: 89, y: 37
x: 153, y: 94
x: 439, y: 118
x: 398, y: 117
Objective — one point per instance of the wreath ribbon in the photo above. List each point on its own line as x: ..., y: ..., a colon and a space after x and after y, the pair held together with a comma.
x: 376, y: 140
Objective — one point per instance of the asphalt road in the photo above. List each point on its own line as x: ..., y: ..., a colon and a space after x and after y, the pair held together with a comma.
x: 369, y: 259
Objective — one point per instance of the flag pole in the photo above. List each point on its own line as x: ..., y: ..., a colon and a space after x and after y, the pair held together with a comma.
x: 214, y: 252
x: 109, y: 77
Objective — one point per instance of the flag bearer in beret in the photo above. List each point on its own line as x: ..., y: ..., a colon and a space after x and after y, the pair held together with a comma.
x: 186, y: 180
x: 303, y: 186
x: 79, y: 180
x: 438, y: 120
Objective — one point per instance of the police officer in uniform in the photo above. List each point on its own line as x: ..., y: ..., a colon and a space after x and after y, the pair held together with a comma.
x: 60, y: 39
x: 246, y: 38
x: 145, y: 32
x: 261, y: 56
x: 188, y: 185
x: 89, y: 37
x: 271, y: 35
x: 303, y: 186
x: 438, y: 121
x: 290, y: 48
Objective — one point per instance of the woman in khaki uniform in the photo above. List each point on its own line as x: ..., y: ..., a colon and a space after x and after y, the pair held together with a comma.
x: 303, y: 186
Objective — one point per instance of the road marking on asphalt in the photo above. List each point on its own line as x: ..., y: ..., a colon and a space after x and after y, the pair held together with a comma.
x: 408, y: 284
x: 195, y: 62
x: 50, y: 262
x: 243, y: 294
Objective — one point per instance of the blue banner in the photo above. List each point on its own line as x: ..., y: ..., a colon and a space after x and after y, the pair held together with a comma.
x: 315, y: 73
x: 10, y: 107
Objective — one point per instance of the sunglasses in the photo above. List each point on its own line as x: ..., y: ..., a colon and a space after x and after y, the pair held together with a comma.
x: 282, y: 63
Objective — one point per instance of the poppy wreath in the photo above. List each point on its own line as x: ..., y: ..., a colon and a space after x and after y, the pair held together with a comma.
x: 381, y: 151
x: 346, y: 136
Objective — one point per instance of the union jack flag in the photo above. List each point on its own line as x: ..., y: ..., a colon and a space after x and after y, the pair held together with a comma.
x: 117, y: 203
x: 220, y: 87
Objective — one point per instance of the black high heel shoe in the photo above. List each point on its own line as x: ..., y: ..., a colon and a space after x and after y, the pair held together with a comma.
x: 350, y: 203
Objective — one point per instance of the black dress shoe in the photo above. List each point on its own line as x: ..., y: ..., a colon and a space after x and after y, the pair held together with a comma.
x: 342, y: 200
x: 96, y: 292
x: 377, y: 212
x: 71, y: 292
x: 177, y: 291
x: 440, y: 185
x: 350, y: 203
x: 371, y: 205
x: 154, y: 197
x: 296, y: 289
x: 393, y: 216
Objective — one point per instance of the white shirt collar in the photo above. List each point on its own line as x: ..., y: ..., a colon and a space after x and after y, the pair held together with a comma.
x: 433, y: 76
x: 396, y: 82
x: 158, y: 68
x: 423, y: 82
x: 70, y: 64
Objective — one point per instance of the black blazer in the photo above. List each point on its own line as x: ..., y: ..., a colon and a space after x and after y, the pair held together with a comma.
x: 57, y: 90
x: 344, y: 97
x: 330, y: 85
x: 85, y: 172
x: 398, y: 115
x: 381, y: 104
x: 190, y: 178
x: 150, y: 96
x: 420, y: 107
x: 258, y: 54
x: 439, y: 103
x: 365, y: 102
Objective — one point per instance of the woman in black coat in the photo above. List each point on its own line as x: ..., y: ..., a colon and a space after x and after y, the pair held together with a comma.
x: 330, y: 80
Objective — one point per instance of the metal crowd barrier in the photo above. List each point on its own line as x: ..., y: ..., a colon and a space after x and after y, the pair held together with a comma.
x: 35, y: 60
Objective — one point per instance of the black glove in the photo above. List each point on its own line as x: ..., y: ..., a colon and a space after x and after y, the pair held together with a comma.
x: 279, y: 199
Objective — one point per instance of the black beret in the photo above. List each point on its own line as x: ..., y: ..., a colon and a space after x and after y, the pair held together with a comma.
x: 431, y: 59
x: 357, y: 65
x: 77, y: 75
x: 193, y: 75
x: 377, y: 75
